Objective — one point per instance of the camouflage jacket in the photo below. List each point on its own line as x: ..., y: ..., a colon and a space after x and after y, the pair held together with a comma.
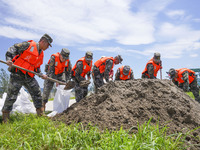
x: 184, y: 85
x: 78, y: 72
x: 65, y: 76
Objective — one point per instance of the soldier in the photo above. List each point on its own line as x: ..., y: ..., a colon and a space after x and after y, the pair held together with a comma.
x: 185, y: 78
x: 111, y: 73
x: 102, y: 68
x: 59, y: 68
x: 28, y: 55
x: 124, y: 73
x: 152, y: 67
x: 80, y: 70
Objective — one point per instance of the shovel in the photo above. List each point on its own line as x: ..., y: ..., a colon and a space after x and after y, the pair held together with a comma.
x: 69, y: 84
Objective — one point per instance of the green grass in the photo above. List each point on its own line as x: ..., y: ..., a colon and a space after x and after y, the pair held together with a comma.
x: 190, y: 94
x: 32, y: 132
x: 51, y: 99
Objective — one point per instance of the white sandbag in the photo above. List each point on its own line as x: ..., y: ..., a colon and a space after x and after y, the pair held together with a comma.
x: 23, y: 103
x: 61, y: 100
x: 2, y: 100
x: 53, y: 113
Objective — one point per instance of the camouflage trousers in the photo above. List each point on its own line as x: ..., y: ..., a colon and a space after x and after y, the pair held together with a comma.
x: 97, y: 78
x: 48, y: 86
x: 17, y: 80
x: 80, y: 92
x: 195, y: 89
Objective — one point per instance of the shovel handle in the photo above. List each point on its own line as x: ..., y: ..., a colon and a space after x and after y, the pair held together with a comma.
x: 51, y: 79
x: 161, y: 74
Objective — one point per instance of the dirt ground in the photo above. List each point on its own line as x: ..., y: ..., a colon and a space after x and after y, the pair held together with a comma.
x: 125, y: 103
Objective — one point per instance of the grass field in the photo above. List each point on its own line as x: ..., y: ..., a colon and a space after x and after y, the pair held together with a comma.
x: 32, y: 132
x: 27, y: 131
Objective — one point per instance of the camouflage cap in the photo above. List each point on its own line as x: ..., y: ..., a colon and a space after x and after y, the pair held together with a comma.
x: 126, y: 70
x: 119, y: 57
x: 65, y: 53
x: 88, y: 56
x: 172, y: 73
x: 48, y: 38
x: 156, y: 56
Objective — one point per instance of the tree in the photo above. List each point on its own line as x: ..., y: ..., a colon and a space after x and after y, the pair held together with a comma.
x: 4, y: 80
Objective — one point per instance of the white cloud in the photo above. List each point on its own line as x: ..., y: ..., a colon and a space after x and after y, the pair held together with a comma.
x: 194, y: 55
x: 175, y: 13
x: 176, y: 40
x: 196, y: 20
x: 117, y: 50
x: 11, y: 32
x: 73, y: 21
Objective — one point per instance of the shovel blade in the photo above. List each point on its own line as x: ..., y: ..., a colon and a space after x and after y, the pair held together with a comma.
x: 69, y: 85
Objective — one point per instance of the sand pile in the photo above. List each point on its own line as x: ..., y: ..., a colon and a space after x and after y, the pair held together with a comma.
x: 124, y: 103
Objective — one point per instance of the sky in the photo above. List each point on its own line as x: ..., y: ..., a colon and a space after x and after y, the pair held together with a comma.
x: 134, y: 29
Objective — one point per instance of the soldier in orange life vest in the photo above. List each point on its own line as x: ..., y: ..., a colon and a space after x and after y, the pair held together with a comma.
x: 102, y: 68
x: 152, y: 67
x: 28, y: 55
x: 185, y: 78
x: 124, y: 73
x: 59, y: 68
x: 79, y: 71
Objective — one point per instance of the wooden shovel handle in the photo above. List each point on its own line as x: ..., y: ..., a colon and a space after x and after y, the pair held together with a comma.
x: 51, y: 79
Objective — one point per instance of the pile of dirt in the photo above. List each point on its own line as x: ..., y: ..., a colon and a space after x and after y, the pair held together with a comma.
x: 125, y: 103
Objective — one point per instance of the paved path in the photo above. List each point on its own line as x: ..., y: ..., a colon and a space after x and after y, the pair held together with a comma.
x: 49, y: 106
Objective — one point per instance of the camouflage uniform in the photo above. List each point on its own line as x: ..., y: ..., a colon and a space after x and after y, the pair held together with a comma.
x: 50, y: 69
x: 98, y: 77
x: 185, y: 86
x: 80, y: 92
x: 150, y: 72
x: 19, y: 79
x: 117, y: 75
x: 150, y: 67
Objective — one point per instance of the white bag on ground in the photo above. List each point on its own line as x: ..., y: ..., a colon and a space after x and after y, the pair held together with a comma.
x: 61, y: 100
x: 2, y: 100
x: 22, y: 104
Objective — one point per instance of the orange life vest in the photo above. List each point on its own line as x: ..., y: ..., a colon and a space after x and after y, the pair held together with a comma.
x: 101, y: 63
x: 29, y: 59
x: 86, y: 67
x: 180, y: 75
x: 59, y: 66
x: 156, y: 67
x: 122, y: 76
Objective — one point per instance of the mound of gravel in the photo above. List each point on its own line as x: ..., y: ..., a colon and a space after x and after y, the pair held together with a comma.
x: 125, y: 103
